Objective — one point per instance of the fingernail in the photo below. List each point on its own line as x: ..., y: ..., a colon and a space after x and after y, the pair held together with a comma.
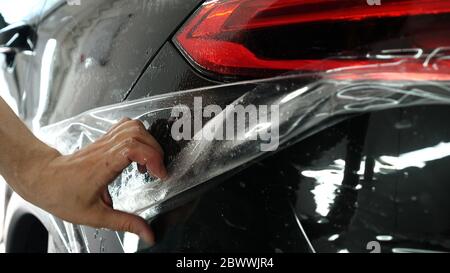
x: 163, y: 174
x: 162, y: 171
x: 148, y: 239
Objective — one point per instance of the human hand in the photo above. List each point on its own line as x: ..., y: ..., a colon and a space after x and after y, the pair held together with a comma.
x: 75, y: 187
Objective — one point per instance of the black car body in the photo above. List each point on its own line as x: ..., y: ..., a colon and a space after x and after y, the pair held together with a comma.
x: 373, y: 180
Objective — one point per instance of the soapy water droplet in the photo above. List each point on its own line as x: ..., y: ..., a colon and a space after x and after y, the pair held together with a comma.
x: 333, y: 237
x: 403, y: 124
x: 102, y: 244
x: 233, y: 225
x: 322, y: 221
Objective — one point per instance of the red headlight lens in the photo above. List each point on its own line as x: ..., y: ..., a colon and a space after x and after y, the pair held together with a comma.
x: 254, y: 38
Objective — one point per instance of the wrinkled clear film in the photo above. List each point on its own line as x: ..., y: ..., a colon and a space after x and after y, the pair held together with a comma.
x: 304, y: 104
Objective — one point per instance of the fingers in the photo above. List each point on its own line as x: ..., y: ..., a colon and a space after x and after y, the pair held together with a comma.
x: 131, y: 150
x: 131, y: 142
x: 106, y: 197
x: 122, y: 121
x: 126, y: 142
x: 122, y: 221
x: 149, y: 157
x: 135, y: 129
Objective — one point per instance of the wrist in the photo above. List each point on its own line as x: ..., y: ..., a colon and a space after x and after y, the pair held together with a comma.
x: 30, y: 167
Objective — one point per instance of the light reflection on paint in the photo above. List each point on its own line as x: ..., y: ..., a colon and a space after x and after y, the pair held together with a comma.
x: 413, y: 250
x: 328, y: 181
x: 384, y: 238
x: 415, y: 159
x: 130, y: 242
x: 46, y: 72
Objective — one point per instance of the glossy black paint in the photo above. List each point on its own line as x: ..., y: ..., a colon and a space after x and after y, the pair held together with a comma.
x: 257, y: 210
x: 94, y: 53
x: 17, y: 38
x: 167, y: 73
x: 105, y: 52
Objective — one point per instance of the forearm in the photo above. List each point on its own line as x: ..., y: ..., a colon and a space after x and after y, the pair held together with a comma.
x: 19, y: 148
x: 75, y: 187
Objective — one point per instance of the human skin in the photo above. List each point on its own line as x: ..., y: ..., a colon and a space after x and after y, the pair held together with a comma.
x: 74, y: 187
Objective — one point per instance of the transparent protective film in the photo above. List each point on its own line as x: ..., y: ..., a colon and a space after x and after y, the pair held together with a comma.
x: 277, y: 112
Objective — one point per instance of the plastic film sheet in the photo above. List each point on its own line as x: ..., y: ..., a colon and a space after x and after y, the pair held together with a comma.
x: 297, y: 106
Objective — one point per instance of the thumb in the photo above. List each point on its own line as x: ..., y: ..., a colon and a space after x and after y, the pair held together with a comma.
x: 122, y: 221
